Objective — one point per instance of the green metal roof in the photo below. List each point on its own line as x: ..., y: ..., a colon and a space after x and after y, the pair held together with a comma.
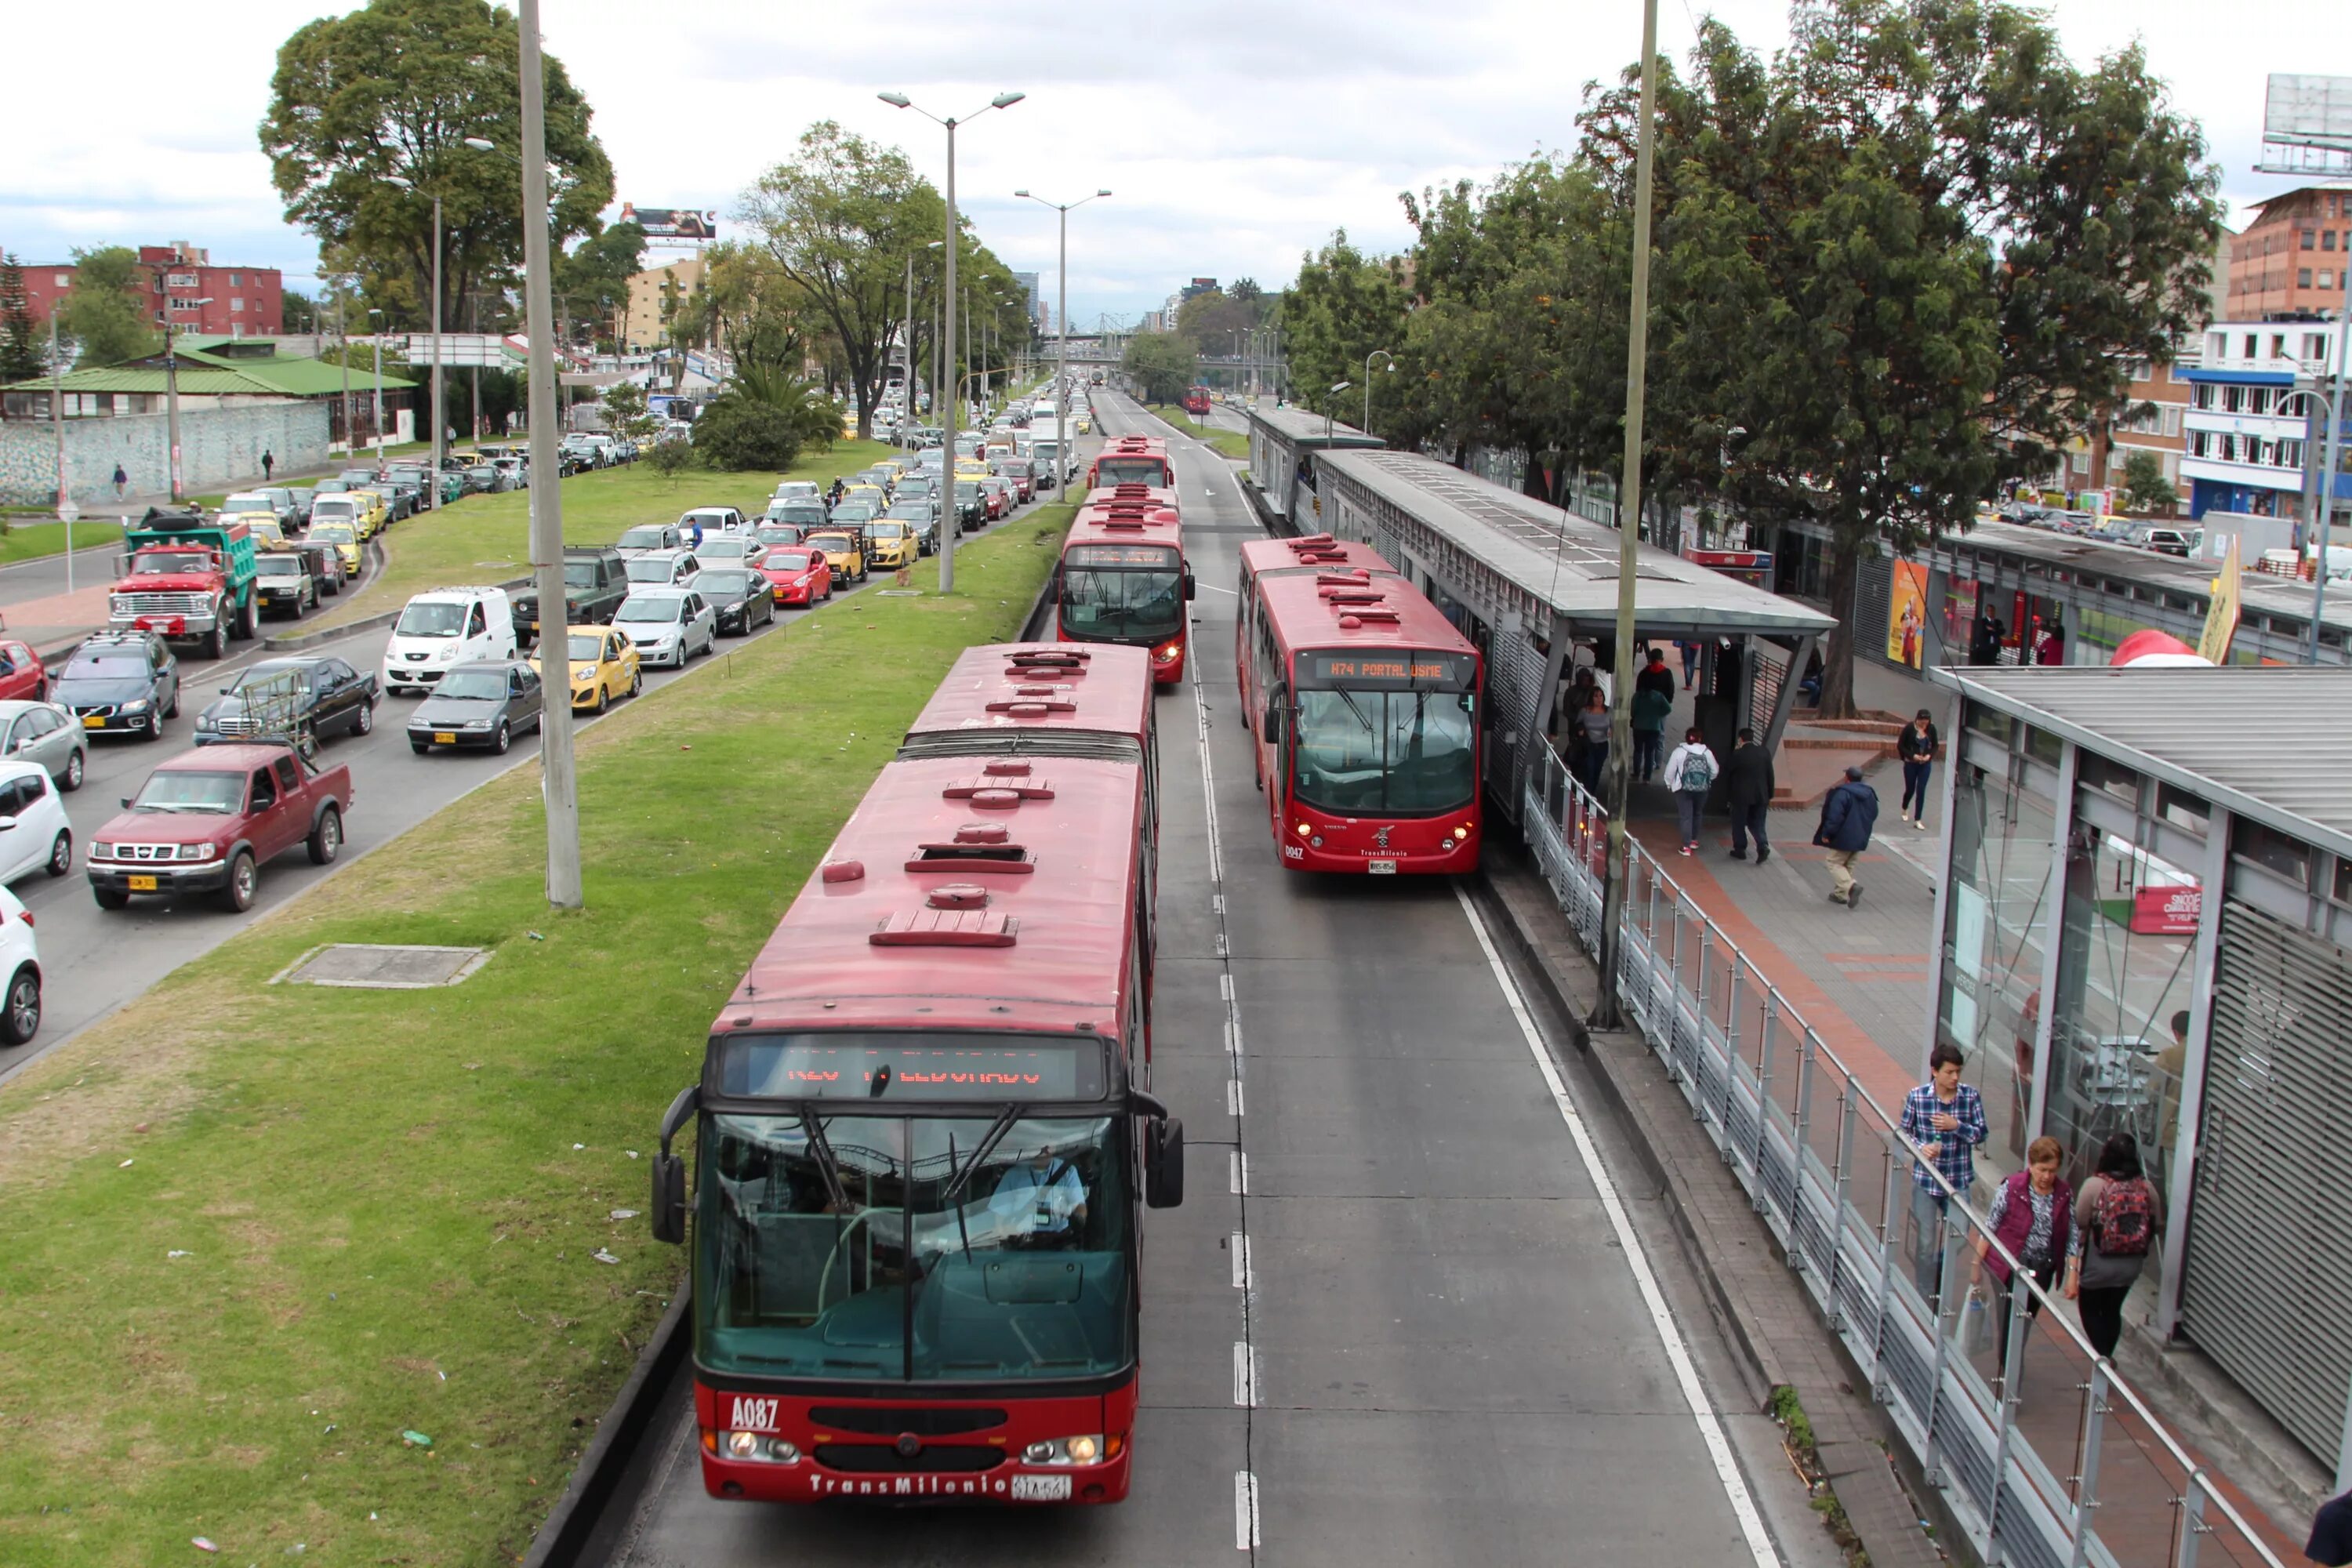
x: 204, y: 372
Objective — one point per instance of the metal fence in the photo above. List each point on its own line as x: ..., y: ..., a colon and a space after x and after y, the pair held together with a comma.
x: 2043, y: 1456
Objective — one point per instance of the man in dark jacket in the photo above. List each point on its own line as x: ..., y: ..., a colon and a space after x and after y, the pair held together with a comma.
x: 1847, y: 814
x: 1655, y: 676
x: 1747, y: 791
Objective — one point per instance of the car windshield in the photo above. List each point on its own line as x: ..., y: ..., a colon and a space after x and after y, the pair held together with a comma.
x: 1386, y: 754
x: 580, y: 574
x: 278, y: 565
x: 477, y: 685
x: 790, y: 560
x: 938, y: 1249
x: 650, y: 569
x: 587, y: 647
x: 326, y: 506
x: 779, y: 536
x: 1131, y: 603
x: 886, y: 530
x: 331, y: 533
x: 641, y: 608
x: 487, y: 474
x: 106, y: 667
x: 431, y: 619
x: 250, y: 500
x: 715, y: 548
x: 220, y: 794
x: 158, y: 562
x: 645, y: 538
x: 1130, y: 471
x: 729, y: 582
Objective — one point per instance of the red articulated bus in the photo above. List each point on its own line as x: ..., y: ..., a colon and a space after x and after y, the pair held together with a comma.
x: 1133, y: 460
x: 1196, y: 400
x: 1123, y: 580
x: 1362, y: 702
x: 924, y: 1129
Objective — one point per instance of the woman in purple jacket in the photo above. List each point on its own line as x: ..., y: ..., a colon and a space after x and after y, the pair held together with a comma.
x: 2032, y: 1216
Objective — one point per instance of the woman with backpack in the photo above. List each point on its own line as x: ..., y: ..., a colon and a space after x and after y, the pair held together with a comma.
x: 2116, y: 1226
x: 1690, y: 773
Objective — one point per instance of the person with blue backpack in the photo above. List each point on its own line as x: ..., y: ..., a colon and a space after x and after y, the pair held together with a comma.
x: 1690, y: 773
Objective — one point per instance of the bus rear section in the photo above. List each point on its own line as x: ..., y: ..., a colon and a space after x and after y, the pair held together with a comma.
x: 1196, y: 401
x: 1133, y: 460
x: 1123, y: 579
x: 1362, y: 701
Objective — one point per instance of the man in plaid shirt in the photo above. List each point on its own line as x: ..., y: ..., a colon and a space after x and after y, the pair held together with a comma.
x: 1946, y: 1119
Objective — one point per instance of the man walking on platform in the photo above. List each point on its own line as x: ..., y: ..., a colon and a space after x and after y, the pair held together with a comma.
x: 1690, y: 773
x: 1747, y: 790
x: 1848, y: 813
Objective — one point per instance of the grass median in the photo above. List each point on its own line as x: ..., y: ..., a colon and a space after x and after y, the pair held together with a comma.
x: 1231, y: 443
x: 485, y: 538
x: 259, y: 1235
x: 29, y: 540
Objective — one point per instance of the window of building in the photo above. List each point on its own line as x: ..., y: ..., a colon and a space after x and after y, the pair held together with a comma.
x: 2233, y: 398
x: 2217, y: 344
x: 2201, y: 443
x: 62, y: 280
x: 2327, y: 278
x: 2315, y: 345
x: 2228, y: 448
x: 236, y: 279
x: 2302, y: 277
x: 2310, y: 239
x: 2250, y: 345
x: 2328, y: 240
x: 2202, y: 395
x: 183, y: 279
x: 2257, y: 400
x: 2171, y: 419
x: 2288, y: 453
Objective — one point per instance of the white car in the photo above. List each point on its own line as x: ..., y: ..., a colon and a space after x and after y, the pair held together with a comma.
x: 20, y: 961
x: 711, y: 519
x: 669, y: 626
x: 732, y: 550
x: 443, y: 627
x: 648, y: 537
x: 34, y: 833
x: 662, y: 568
x: 797, y: 489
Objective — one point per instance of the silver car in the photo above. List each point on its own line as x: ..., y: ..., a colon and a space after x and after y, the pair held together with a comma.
x: 45, y: 734
x: 669, y: 626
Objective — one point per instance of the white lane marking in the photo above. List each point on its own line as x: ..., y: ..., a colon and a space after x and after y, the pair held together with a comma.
x: 1213, y: 588
x: 1237, y: 1170
x: 1225, y: 989
x: 1710, y: 1430
x: 1241, y: 1260
x: 1245, y: 1511
x: 1244, y: 1374
x: 1233, y: 1040
x: 1232, y: 1097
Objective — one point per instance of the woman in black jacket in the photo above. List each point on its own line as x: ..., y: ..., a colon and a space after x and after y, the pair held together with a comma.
x: 1917, y: 748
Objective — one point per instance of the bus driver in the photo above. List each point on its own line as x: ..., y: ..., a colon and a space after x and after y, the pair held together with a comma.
x: 1040, y: 1197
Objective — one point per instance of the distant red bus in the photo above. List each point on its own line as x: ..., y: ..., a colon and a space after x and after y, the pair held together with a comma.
x: 1133, y: 460
x: 1123, y: 579
x: 1362, y: 703
x: 1196, y: 400
x: 924, y: 1129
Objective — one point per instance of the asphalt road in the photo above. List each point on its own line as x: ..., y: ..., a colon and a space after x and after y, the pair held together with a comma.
x: 93, y: 961
x: 1410, y: 1311
x: 45, y: 574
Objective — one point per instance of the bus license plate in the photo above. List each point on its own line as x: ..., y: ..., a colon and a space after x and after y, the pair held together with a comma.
x: 443, y: 738
x: 1381, y: 868
x: 140, y: 884
x: 1041, y: 1488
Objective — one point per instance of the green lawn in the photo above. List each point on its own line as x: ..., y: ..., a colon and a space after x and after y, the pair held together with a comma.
x: 256, y: 1234
x: 485, y: 538
x: 24, y: 540
x: 1231, y: 443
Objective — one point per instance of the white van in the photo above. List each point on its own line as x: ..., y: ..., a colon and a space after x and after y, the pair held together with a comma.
x: 443, y: 627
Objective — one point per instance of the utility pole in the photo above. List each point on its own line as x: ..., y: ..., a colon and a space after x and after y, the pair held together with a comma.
x: 433, y: 480
x: 67, y: 511
x: 564, y: 882
x: 907, y: 329
x: 376, y: 333
x: 171, y: 398
x: 1618, y: 772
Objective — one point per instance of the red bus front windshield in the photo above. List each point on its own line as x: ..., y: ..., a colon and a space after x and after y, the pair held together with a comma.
x: 1131, y: 472
x: 968, y: 1243
x: 1122, y: 592
x: 1386, y: 734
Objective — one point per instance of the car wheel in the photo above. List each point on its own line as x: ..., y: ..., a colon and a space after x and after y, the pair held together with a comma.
x: 364, y: 722
x: 61, y: 853
x: 154, y: 730
x: 217, y: 646
x: 327, y: 837
x: 503, y: 739
x: 22, y: 1017
x: 248, y: 621
x: 603, y: 698
x: 636, y: 681
x: 111, y: 898
x: 420, y: 747
x: 75, y: 768
x: 243, y: 881
x: 172, y: 708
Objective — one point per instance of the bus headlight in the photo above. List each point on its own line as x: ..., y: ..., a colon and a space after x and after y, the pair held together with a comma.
x: 1166, y: 652
x: 1304, y: 830
x: 1089, y: 1450
x: 757, y: 1446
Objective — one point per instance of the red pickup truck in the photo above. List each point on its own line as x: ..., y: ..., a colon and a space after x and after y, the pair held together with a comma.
x: 206, y: 822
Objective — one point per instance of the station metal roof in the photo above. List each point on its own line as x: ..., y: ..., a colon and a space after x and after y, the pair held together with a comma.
x: 1568, y: 562
x: 1305, y: 427
x: 2258, y: 739
x: 2287, y: 598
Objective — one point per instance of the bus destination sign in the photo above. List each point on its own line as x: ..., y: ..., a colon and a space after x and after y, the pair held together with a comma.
x: 885, y: 1069
x: 1387, y: 671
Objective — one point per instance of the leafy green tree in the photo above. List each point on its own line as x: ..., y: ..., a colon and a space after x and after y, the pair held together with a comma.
x: 299, y: 312
x: 1344, y: 305
x: 593, y: 277
x: 738, y: 432
x: 2145, y: 489
x: 105, y: 314
x: 816, y: 417
x: 394, y: 90
x: 625, y: 412
x: 24, y: 356
x: 1163, y: 363
x: 670, y: 458
x: 1209, y: 321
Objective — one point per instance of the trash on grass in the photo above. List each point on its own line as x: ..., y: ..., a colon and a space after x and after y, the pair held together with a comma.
x: 600, y: 1256
x: 416, y: 1439
x: 200, y: 1544
x: 179, y: 1252
x: 534, y: 936
x: 124, y: 1167
x: 625, y: 1213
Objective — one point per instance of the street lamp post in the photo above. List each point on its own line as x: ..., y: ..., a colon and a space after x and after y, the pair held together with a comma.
x: 172, y: 387
x: 1062, y: 338
x: 1328, y: 404
x: 948, y: 301
x: 1375, y: 354
x: 376, y: 333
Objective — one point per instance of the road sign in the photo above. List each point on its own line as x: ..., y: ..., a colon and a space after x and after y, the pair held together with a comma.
x: 69, y: 513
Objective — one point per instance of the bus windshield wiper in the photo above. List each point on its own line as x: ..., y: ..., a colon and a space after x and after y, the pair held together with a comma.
x: 824, y: 1161
x: 979, y: 1151
x: 1345, y: 697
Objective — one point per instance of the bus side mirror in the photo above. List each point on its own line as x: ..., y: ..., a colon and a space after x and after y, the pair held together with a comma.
x: 1053, y: 589
x: 1192, y: 589
x: 1272, y: 728
x: 669, y: 1213
x: 1163, y: 1162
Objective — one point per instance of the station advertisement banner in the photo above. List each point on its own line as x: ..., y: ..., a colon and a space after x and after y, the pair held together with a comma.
x: 1907, y: 614
x: 2168, y: 910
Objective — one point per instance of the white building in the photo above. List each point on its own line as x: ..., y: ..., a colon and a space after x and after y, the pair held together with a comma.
x: 2246, y: 425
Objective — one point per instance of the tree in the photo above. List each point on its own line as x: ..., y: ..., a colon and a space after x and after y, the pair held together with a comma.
x: 670, y: 458
x: 738, y: 432
x: 593, y: 277
x: 105, y: 315
x: 625, y: 412
x: 1162, y: 365
x: 1343, y: 306
x: 814, y: 418
x: 1209, y: 321
x: 23, y: 354
x: 299, y: 312
x: 394, y: 90
x: 2145, y: 489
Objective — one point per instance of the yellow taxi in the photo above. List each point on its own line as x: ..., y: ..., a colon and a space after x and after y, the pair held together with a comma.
x: 844, y: 551
x: 344, y: 538
x: 375, y: 510
x: 262, y: 525
x: 1086, y: 421
x: 889, y: 545
x: 603, y: 667
x: 873, y: 492
x: 975, y: 469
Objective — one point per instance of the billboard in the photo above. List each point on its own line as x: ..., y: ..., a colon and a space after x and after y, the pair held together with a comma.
x: 672, y: 222
x: 1907, y: 614
x: 2308, y: 111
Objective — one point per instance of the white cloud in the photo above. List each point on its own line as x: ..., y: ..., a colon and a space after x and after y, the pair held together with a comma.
x: 1235, y: 135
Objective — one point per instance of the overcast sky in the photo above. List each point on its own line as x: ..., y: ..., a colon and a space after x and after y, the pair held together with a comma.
x: 1235, y: 136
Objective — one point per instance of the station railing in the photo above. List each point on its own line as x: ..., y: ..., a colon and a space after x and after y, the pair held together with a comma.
x: 2044, y: 1457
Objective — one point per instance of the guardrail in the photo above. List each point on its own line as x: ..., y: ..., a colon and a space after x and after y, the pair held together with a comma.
x: 2042, y: 1454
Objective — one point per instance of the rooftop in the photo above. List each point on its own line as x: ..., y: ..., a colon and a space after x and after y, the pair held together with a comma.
x: 224, y: 367
x: 1304, y: 426
x: 2243, y: 736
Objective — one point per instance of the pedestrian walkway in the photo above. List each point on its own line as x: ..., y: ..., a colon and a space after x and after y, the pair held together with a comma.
x: 54, y: 624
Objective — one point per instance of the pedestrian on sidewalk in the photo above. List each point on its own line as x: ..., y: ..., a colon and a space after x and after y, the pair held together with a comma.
x: 1655, y: 676
x: 1984, y: 645
x: 1945, y: 1118
x: 268, y: 463
x: 1848, y: 813
x: 2331, y: 1533
x: 2117, y: 1218
x: 121, y: 479
x: 2032, y: 1216
x: 1690, y: 773
x: 1916, y: 749
x: 1593, y: 723
x: 1652, y: 708
x: 1690, y: 662
x: 1748, y: 786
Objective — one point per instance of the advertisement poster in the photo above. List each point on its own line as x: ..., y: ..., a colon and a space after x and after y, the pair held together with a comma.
x: 2167, y: 911
x: 1907, y: 614
x: 2222, y: 616
x: 1960, y: 613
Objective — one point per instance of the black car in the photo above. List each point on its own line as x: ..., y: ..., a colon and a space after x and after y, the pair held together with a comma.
x: 120, y: 683
x: 283, y: 584
x: 303, y: 496
x: 314, y: 691
x: 485, y: 704
x: 971, y: 507
x: 744, y: 598
x: 408, y: 484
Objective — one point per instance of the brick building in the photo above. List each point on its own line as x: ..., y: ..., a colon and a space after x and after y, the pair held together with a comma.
x: 2290, y: 260
x: 245, y: 301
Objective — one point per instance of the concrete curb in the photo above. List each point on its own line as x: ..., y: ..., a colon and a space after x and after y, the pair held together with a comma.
x: 561, y: 1539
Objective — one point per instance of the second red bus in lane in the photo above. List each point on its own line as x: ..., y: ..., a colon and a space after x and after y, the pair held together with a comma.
x: 1123, y: 579
x: 1362, y: 701
x: 1133, y: 460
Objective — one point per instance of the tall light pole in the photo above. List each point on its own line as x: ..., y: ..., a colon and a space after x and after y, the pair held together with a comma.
x: 564, y: 883
x: 376, y: 333
x: 171, y: 386
x: 1375, y: 354
x: 1062, y: 328
x: 947, y: 304
x: 433, y: 485
x: 1618, y: 774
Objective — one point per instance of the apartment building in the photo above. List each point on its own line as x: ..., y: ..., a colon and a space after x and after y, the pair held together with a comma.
x: 2247, y: 427
x: 2291, y: 259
